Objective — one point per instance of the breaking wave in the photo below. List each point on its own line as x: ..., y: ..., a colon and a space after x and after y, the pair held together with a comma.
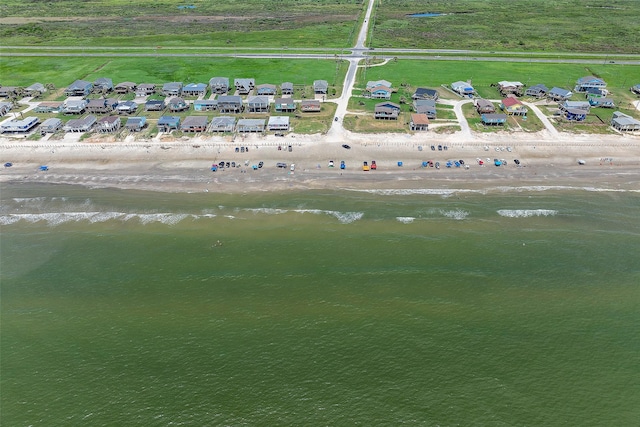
x: 343, y: 217
x: 58, y: 218
x: 405, y: 219
x: 418, y: 191
x: 526, y: 213
x: 457, y: 214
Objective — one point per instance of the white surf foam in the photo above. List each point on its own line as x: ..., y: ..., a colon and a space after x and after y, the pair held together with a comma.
x: 343, y: 217
x: 526, y: 213
x: 405, y: 219
x: 268, y: 211
x: 457, y: 214
x: 416, y: 191
x: 57, y: 218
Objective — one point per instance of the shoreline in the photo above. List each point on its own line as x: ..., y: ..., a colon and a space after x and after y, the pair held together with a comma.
x: 183, y: 165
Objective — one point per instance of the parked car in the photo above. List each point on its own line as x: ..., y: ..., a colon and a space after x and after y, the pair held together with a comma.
x: 342, y: 165
x: 260, y: 164
x: 365, y: 167
x: 281, y: 165
x: 348, y: 147
x: 374, y: 166
x: 330, y: 163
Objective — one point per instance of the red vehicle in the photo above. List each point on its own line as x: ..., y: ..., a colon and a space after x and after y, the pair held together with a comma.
x: 373, y: 165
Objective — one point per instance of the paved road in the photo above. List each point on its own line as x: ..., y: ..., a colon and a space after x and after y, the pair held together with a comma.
x: 337, y: 130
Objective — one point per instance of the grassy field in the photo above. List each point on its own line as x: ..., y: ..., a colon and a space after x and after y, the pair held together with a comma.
x: 307, y: 23
x: 23, y: 71
x: 534, y: 25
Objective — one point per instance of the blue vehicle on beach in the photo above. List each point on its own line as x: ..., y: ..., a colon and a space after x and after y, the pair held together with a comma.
x: 497, y: 162
x: 342, y: 165
x: 44, y: 168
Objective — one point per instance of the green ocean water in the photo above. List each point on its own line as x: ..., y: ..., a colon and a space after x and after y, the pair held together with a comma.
x: 494, y: 307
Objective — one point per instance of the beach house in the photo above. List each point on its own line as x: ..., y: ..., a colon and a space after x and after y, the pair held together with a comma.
x: 537, y: 91
x: 386, y: 111
x: 35, y: 90
x: 108, y: 124
x: 278, y: 123
x: 425, y: 106
x: 194, y: 90
x: 5, y: 107
x: 266, y: 89
x: 419, y: 122
x: 513, y: 106
x: 135, y: 124
x: 250, y: 125
x: 230, y: 104
x: 127, y: 107
x: 624, y: 123
x: 51, y: 125
x: 219, y: 85
x: 285, y: 105
x: 320, y: 87
x: 168, y: 123
x: 507, y: 88
x: 80, y: 125
x: 463, y: 88
x: 425, y: 93
x: 19, y: 125
x: 484, y: 106
x: 103, y: 85
x: 588, y: 82
x: 244, y: 86
x: 154, y: 105
x: 286, y: 88
x: 178, y: 104
x: 194, y: 124
x: 222, y: 124
x: 310, y: 106
x: 79, y: 88
x: 493, y: 119
x: 172, y: 89
x: 575, y: 114
x: 559, y: 94
x: 125, y: 87
x: 101, y: 105
x: 145, y: 89
x: 258, y: 104
x: 205, y: 105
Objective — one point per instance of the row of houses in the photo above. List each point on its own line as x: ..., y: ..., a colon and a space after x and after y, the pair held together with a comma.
x: 589, y: 85
x: 110, y: 124
x: 224, y: 104
x: 217, y: 85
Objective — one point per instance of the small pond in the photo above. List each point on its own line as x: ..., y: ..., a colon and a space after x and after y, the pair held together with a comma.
x: 425, y: 15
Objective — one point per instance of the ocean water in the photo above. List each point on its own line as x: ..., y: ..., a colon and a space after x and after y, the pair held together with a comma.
x: 494, y: 307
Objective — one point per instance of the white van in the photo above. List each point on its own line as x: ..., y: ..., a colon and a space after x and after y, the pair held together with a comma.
x: 293, y: 167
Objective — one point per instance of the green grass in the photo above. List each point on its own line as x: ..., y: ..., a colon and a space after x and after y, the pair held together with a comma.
x: 23, y: 71
x: 535, y: 25
x: 305, y: 23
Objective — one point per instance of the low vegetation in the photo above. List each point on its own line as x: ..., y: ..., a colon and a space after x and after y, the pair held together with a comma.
x: 303, y: 23
x: 534, y: 25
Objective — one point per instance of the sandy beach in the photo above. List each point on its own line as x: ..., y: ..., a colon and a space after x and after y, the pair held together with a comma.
x: 169, y: 165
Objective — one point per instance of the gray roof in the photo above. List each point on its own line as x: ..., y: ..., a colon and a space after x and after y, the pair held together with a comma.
x: 218, y: 81
x: 559, y: 91
x: 197, y: 121
x: 320, y: 84
x: 230, y: 99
